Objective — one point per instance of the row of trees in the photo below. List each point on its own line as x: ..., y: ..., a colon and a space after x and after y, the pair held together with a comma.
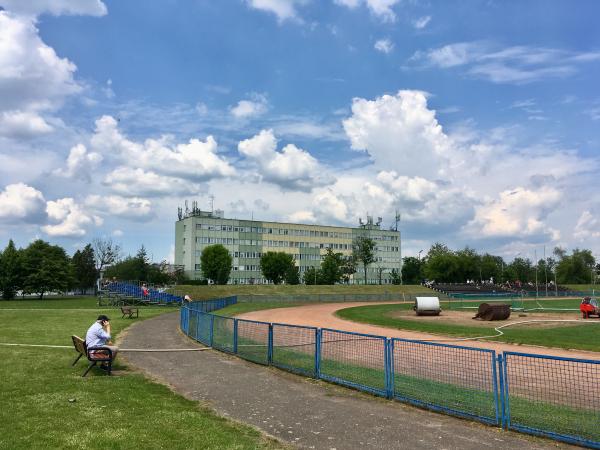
x: 445, y: 265
x: 279, y: 267
x: 41, y: 267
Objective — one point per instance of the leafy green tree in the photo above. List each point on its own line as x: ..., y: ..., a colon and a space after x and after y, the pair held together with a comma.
x: 84, y: 268
x: 441, y: 264
x: 292, y: 275
x: 11, y: 271
x: 363, y: 251
x: 348, y: 268
x: 47, y: 268
x: 395, y: 276
x: 468, y: 265
x: 311, y: 276
x: 412, y: 270
x: 142, y: 264
x: 274, y: 265
x: 491, y: 267
x: 577, y: 268
x: 216, y: 263
x: 520, y: 269
x: 126, y: 269
x: 331, y: 268
x: 158, y: 273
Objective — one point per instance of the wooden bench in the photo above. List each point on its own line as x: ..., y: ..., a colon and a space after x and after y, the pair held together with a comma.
x: 97, y: 355
x: 129, y: 312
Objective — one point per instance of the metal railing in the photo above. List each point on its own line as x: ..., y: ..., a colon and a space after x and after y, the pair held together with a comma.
x: 542, y: 395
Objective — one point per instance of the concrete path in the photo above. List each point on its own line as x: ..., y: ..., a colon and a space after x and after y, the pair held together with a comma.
x: 301, y: 411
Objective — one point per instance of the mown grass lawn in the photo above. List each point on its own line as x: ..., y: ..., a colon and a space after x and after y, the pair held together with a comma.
x: 582, y: 337
x: 47, y: 404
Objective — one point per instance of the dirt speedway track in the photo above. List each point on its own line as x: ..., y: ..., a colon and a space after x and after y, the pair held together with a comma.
x: 545, y: 380
x: 323, y: 316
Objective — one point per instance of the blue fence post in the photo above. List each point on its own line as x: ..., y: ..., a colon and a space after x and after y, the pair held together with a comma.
x: 318, y: 353
x: 499, y: 402
x: 235, y: 336
x: 389, y: 368
x: 270, y: 345
x: 505, y: 393
x: 212, y: 322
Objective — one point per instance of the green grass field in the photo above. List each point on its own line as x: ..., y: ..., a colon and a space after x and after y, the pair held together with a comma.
x: 125, y: 411
x: 582, y: 337
x: 208, y: 292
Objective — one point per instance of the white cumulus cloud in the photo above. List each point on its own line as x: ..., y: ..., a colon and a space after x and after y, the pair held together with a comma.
x: 80, y: 163
x: 400, y: 132
x: 133, y: 208
x: 20, y: 203
x: 32, y: 77
x: 290, y: 168
x: 71, y: 219
x: 19, y: 124
x: 195, y: 161
x: 384, y: 46
x: 517, y: 213
x: 587, y: 226
x: 247, y: 109
x: 138, y: 182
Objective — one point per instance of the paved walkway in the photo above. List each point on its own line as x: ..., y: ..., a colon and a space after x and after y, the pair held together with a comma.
x: 299, y: 410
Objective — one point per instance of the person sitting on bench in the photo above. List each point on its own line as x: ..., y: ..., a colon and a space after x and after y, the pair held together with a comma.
x: 98, y: 335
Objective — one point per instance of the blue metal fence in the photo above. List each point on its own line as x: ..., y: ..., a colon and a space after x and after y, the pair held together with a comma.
x: 450, y: 378
x: 543, y: 395
x: 552, y: 396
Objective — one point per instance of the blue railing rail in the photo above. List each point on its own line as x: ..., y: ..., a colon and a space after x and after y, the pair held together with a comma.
x: 536, y: 394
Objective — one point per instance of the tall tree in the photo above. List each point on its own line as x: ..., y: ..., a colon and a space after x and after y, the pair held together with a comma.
x: 106, y: 253
x: 363, y: 251
x: 47, y: 268
x: 216, y: 263
x: 412, y: 270
x: 274, y: 265
x: 348, y: 268
x: 11, y: 271
x: 331, y: 267
x: 84, y: 268
x: 441, y: 264
x: 577, y: 268
x: 143, y: 264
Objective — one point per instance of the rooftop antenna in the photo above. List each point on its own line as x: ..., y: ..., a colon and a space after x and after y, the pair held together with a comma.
x: 212, y: 202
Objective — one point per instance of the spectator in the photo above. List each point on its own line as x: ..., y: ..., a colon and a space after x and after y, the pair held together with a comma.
x: 145, y: 291
x: 98, y: 335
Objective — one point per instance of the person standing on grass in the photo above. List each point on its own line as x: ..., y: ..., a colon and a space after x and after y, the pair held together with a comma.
x: 98, y: 335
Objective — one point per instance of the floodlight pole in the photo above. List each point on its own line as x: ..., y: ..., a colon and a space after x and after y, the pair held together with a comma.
x: 536, y: 264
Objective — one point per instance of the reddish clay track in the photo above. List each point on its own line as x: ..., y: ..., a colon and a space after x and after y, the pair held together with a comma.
x: 323, y: 315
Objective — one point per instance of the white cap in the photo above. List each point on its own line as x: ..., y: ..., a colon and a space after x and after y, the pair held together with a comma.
x: 187, y: 297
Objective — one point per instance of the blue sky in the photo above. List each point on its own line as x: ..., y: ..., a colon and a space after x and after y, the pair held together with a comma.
x: 477, y: 120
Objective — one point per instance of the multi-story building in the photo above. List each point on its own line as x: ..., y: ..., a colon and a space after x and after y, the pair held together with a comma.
x: 247, y: 240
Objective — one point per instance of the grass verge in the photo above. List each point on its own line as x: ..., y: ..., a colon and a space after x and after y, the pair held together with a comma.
x: 214, y: 291
x: 46, y: 403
